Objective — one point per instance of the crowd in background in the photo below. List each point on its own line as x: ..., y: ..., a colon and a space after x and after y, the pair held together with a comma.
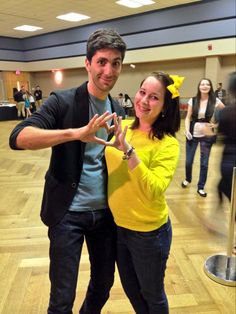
x: 26, y: 103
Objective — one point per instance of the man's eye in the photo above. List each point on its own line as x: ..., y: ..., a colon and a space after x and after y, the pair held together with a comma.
x: 116, y: 64
x: 101, y: 62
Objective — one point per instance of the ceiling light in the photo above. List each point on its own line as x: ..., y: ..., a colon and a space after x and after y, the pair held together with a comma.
x: 129, y: 3
x: 73, y: 17
x: 144, y: 2
x: 134, y: 3
x: 27, y: 28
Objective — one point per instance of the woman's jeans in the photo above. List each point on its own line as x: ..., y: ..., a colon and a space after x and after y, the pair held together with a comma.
x: 205, y: 148
x: 141, y: 260
x: 66, y: 241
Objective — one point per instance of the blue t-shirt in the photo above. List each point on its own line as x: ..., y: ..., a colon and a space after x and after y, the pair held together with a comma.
x: 92, y: 190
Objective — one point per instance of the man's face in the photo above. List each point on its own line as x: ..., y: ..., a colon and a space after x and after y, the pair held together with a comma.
x: 103, y: 71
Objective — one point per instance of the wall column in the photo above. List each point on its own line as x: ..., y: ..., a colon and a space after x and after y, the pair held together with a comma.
x: 213, y: 70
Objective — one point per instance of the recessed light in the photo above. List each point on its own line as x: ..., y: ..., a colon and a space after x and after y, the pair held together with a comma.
x: 73, y: 17
x: 134, y: 3
x: 27, y: 28
x: 145, y: 2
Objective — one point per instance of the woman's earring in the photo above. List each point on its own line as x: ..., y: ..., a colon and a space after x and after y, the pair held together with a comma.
x: 162, y: 114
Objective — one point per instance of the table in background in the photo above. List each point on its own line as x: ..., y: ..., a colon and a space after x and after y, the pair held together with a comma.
x: 8, y: 112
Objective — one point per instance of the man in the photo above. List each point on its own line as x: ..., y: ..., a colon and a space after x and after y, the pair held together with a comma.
x: 73, y: 122
x: 20, y: 102
x: 220, y: 93
x: 38, y: 94
x: 120, y: 98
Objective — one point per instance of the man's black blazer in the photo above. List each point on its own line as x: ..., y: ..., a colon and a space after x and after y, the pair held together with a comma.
x: 62, y: 110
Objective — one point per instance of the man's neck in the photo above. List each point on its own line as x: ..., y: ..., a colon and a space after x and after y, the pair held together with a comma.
x: 96, y: 92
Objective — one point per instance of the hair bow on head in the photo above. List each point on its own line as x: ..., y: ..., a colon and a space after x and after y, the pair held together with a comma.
x: 174, y: 88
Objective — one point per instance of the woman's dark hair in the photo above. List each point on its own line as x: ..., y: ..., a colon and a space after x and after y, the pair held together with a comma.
x: 15, y: 90
x: 168, y: 121
x: 211, y: 100
x: 126, y: 97
x: 212, y: 97
x: 105, y: 38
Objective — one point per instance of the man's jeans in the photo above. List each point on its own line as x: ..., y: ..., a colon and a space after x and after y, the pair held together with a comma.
x: 205, y: 148
x: 141, y: 260
x: 66, y: 241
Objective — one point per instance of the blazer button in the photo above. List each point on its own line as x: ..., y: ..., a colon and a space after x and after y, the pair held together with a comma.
x: 74, y: 185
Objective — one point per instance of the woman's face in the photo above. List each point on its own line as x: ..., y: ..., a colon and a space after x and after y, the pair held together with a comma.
x: 149, y: 100
x: 204, y: 86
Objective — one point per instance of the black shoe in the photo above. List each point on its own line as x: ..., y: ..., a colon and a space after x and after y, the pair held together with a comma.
x: 202, y: 193
x: 184, y: 184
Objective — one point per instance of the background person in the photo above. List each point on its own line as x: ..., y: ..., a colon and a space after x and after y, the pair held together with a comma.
x: 74, y: 123
x: 221, y: 93
x: 227, y: 127
x: 27, y: 104
x: 140, y: 168
x: 19, y: 98
x: 32, y: 102
x: 120, y: 98
x: 200, y: 115
x: 38, y: 94
x: 127, y: 104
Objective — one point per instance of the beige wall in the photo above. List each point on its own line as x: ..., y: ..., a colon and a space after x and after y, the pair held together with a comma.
x: 192, y: 60
x: 129, y: 80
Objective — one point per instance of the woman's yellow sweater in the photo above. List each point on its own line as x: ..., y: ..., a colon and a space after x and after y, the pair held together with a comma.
x: 137, y: 197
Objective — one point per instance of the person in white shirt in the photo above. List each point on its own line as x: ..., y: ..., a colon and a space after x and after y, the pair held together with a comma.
x: 201, y: 116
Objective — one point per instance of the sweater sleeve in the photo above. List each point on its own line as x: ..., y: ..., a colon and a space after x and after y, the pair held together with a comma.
x: 152, y: 180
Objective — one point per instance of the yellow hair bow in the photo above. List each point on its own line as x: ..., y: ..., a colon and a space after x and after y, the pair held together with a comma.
x: 174, y: 88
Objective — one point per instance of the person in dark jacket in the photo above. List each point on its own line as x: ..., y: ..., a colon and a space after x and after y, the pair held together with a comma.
x: 221, y: 93
x: 20, y: 102
x: 76, y: 123
x: 227, y: 127
x: 38, y: 94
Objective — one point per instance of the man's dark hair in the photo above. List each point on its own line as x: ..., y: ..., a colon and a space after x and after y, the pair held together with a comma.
x: 105, y: 38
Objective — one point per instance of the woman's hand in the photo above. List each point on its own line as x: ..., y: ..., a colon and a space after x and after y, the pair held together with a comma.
x: 188, y: 135
x: 208, y: 129
x: 120, y: 142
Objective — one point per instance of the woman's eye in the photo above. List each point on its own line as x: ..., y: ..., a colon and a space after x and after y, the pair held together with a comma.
x: 154, y: 98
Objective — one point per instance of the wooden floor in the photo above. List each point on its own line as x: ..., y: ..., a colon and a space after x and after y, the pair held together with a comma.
x: 24, y: 284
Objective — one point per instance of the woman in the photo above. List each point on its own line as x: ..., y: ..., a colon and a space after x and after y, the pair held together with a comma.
x: 127, y: 104
x: 27, y: 104
x: 201, y: 114
x: 227, y: 127
x: 141, y: 164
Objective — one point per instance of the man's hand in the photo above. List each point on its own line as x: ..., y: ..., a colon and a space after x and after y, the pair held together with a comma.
x: 88, y: 132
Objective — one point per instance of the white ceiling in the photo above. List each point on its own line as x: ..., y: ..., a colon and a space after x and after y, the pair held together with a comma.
x: 43, y: 13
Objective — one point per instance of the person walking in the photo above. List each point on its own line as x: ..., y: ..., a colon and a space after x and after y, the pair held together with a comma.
x: 220, y: 93
x: 38, y: 94
x: 127, y: 104
x: 141, y: 160
x: 76, y: 123
x: 227, y: 127
x: 19, y: 98
x: 200, y: 116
